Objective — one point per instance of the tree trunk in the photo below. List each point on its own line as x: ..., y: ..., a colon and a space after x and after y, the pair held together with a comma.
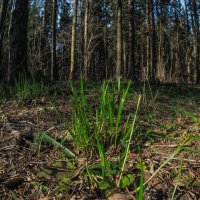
x: 44, y: 38
x: 148, y: 48
x: 54, y: 70
x: 73, y: 42
x: 160, y: 71
x: 4, y: 10
x: 18, y: 56
x: 187, y: 47
x: 178, y: 68
x: 153, y: 63
x: 197, y: 41
x: 132, y: 71
x: 119, y: 38
x: 85, y: 51
x: 195, y: 31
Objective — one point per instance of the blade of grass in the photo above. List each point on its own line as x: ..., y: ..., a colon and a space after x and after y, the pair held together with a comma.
x: 102, y: 157
x: 177, y: 179
x: 141, y: 192
x: 166, y: 161
x: 47, y: 138
x: 119, y: 111
x: 130, y: 137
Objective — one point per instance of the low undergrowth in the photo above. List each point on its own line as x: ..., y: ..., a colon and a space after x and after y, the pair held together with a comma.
x: 103, y: 135
x: 25, y: 89
x: 113, y: 138
x: 97, y: 130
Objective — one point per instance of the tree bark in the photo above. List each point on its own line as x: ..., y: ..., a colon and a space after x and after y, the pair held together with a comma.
x: 73, y: 42
x: 4, y: 10
x: 18, y: 55
x: 54, y: 70
x: 148, y: 48
x: 119, y: 38
x: 195, y: 32
x: 197, y: 41
x: 131, y: 42
x: 153, y: 63
x: 85, y: 51
x: 44, y: 38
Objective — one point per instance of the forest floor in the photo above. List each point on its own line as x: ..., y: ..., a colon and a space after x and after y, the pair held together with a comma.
x: 166, y: 142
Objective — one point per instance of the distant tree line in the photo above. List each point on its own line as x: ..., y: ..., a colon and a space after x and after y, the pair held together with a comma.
x: 143, y: 40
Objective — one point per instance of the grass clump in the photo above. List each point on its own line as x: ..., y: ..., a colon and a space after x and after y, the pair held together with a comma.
x: 25, y: 88
x: 101, y: 124
x: 100, y: 131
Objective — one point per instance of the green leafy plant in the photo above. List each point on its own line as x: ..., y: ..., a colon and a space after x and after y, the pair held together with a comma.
x: 129, y: 141
x: 14, y: 196
x: 177, y: 179
x: 140, y: 193
x: 170, y: 157
x: 43, y: 136
x: 98, y: 126
x: 25, y: 88
x: 176, y: 110
x: 22, y: 88
x: 150, y: 116
x: 95, y: 130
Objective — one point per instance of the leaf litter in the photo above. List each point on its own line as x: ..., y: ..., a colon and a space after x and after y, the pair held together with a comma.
x: 47, y: 174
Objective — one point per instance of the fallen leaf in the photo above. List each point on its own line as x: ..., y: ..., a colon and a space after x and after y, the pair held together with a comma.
x: 45, y: 198
x: 121, y: 196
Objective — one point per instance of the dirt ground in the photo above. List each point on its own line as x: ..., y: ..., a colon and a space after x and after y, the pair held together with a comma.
x: 21, y: 165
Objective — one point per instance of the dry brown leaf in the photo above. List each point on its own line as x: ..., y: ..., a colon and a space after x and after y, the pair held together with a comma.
x: 45, y: 198
x: 121, y: 196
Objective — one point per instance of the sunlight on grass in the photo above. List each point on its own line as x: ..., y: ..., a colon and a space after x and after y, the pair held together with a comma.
x: 96, y: 130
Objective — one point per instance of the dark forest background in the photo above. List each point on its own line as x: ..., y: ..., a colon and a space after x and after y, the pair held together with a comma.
x: 154, y: 40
